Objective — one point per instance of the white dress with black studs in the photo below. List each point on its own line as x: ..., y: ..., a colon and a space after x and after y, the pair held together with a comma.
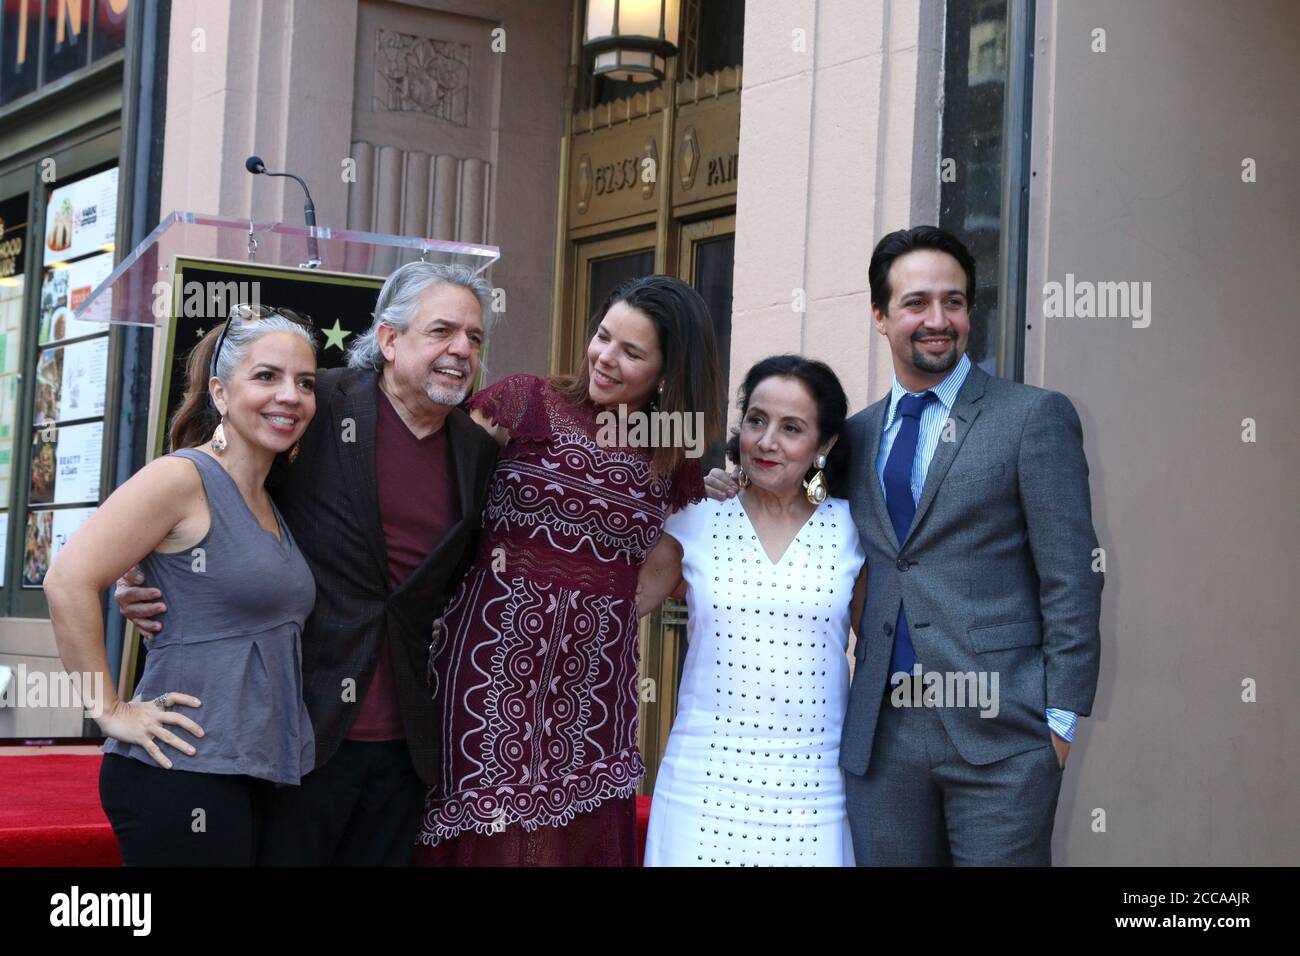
x: 751, y: 775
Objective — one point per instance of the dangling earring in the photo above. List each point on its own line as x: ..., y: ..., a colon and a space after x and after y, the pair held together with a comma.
x: 742, y: 479
x: 654, y: 399
x: 219, y: 438
x: 293, y: 452
x: 815, y: 489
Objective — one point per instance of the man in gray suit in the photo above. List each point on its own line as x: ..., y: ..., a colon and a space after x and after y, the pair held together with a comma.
x: 978, y: 643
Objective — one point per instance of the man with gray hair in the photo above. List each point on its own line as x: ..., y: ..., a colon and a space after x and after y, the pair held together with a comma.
x: 384, y: 502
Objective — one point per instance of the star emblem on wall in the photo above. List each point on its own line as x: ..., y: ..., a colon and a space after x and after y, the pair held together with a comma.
x: 334, y: 336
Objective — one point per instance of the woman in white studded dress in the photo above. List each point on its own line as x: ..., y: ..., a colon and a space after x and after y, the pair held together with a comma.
x: 751, y: 774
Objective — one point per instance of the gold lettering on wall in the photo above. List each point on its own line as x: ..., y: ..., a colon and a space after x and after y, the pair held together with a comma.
x: 11, y: 251
x: 613, y: 173
x: 22, y: 32
x: 620, y: 174
x: 707, y: 149
x: 72, y: 9
x: 722, y: 169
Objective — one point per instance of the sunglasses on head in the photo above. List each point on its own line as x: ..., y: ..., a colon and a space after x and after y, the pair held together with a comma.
x: 251, y: 313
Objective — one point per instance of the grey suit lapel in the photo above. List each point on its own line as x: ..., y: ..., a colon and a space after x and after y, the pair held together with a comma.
x: 964, y: 412
x: 874, y: 423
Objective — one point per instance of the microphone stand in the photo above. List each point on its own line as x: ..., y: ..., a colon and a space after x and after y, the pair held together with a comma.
x: 255, y: 166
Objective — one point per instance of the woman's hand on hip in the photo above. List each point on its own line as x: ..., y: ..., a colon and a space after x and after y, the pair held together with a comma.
x: 145, y: 722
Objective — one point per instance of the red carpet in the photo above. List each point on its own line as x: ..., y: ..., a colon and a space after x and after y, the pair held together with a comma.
x: 50, y: 813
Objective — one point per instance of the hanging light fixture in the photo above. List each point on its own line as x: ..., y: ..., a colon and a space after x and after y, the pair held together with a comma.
x: 632, y: 39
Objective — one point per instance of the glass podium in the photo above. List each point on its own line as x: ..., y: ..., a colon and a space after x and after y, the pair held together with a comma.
x: 131, y: 293
x: 183, y: 278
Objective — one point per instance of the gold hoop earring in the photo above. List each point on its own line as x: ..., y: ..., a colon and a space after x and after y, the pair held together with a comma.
x: 815, y: 488
x: 219, y: 438
x: 742, y: 479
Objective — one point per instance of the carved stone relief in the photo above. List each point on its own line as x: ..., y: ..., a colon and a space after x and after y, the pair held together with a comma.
x: 422, y: 75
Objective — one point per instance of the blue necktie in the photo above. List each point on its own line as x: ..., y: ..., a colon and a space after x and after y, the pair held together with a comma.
x: 902, y: 508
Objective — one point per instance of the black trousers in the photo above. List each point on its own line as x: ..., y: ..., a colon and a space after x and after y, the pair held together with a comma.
x: 181, y: 818
x: 362, y: 808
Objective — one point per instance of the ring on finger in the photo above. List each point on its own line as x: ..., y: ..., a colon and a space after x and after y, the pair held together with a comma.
x: 161, y: 701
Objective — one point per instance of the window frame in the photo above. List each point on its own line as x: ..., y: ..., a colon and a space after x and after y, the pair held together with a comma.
x: 1006, y: 327
x: 92, y: 153
x: 1017, y: 171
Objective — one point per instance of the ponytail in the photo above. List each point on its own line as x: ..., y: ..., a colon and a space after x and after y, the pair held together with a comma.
x: 197, y: 418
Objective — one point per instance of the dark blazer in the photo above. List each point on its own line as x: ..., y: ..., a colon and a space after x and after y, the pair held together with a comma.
x: 995, y: 573
x: 329, y: 499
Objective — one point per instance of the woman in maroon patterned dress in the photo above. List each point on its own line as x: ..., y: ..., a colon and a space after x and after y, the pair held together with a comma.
x: 535, y: 664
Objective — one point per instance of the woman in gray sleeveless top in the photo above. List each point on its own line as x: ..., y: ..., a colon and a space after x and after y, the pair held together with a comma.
x: 218, y: 717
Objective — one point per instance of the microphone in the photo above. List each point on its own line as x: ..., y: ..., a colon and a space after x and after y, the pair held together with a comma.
x: 255, y: 166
